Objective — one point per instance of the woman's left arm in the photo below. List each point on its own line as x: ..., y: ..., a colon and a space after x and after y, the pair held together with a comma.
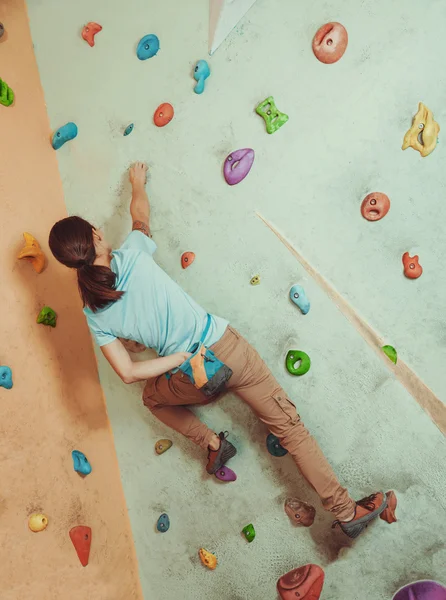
x: 130, y: 371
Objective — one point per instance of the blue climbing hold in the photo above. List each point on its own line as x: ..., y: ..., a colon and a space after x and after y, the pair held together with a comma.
x: 64, y: 134
x: 80, y: 462
x: 274, y: 447
x: 201, y: 73
x: 163, y: 523
x: 298, y: 296
x: 6, y: 378
x: 128, y: 130
x: 148, y: 46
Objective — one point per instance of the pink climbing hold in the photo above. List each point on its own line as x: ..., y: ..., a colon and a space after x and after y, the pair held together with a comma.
x: 225, y: 474
x: 89, y: 31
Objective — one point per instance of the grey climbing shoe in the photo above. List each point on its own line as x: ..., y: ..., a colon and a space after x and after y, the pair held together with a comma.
x: 366, y: 510
x: 218, y: 458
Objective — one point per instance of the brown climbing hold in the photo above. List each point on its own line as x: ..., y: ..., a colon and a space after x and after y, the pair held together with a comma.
x: 187, y: 258
x: 81, y: 538
x: 89, y: 31
x: 389, y: 513
x: 37, y: 522
x: 162, y: 446
x: 299, y: 512
x: 33, y: 253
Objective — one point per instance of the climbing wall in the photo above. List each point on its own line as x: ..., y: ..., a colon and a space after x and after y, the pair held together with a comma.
x: 55, y: 404
x: 343, y: 140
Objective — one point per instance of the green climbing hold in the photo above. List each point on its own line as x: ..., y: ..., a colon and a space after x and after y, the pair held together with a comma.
x: 6, y: 94
x: 295, y: 356
x: 274, y: 119
x: 249, y: 532
x: 47, y: 316
x: 391, y: 353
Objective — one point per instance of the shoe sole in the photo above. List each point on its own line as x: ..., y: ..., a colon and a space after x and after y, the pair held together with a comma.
x: 226, y: 452
x: 353, y: 529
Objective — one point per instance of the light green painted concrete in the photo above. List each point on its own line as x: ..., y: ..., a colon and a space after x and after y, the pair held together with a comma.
x: 343, y: 140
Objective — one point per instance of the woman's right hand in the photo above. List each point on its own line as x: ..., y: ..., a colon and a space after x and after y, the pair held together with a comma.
x: 183, y: 356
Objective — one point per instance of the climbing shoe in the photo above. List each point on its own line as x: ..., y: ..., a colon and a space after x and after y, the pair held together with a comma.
x: 218, y: 458
x: 366, y: 510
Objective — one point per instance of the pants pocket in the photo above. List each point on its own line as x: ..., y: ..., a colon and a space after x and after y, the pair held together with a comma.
x: 287, y: 407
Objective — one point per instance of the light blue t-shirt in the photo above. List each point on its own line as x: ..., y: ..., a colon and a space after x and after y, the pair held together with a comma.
x: 154, y: 310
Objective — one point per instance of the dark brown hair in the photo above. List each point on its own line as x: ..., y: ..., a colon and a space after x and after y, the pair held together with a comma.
x: 72, y: 244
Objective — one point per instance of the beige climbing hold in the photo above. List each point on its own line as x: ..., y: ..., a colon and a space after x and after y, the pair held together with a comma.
x: 33, y: 253
x: 208, y: 559
x: 255, y: 280
x: 37, y: 522
x: 162, y: 446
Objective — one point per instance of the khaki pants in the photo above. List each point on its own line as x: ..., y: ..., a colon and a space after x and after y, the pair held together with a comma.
x: 255, y: 384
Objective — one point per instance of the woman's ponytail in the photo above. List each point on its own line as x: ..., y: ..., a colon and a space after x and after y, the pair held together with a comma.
x: 72, y: 244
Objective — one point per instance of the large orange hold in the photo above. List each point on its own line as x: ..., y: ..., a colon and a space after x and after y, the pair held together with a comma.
x: 81, y: 538
x: 305, y: 583
x: 330, y: 43
x: 163, y: 114
x: 187, y: 258
x: 32, y: 252
x: 89, y: 31
x: 412, y: 269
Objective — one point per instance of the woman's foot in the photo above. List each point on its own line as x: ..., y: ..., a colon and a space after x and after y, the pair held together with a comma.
x: 366, y: 510
x: 220, y: 451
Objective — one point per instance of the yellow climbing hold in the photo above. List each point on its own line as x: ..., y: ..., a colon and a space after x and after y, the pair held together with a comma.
x: 37, y: 522
x: 208, y: 559
x: 255, y: 280
x: 33, y: 253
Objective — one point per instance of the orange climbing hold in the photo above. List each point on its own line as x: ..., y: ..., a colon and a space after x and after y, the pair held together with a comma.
x: 208, y: 559
x: 89, y: 31
x: 163, y: 114
x: 33, y: 253
x: 389, y: 513
x: 187, y: 258
x: 412, y: 269
x: 81, y: 538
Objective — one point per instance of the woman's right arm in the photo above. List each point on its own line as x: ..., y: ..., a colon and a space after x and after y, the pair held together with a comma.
x: 130, y: 371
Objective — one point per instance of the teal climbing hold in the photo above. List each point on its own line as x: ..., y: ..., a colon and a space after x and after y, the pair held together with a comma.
x: 249, y: 532
x: 295, y: 356
x: 6, y: 94
x: 148, y: 46
x: 6, y: 378
x: 163, y: 523
x: 391, y: 353
x: 47, y: 316
x: 64, y: 134
x: 128, y: 130
x: 201, y: 73
x: 80, y: 462
x: 274, y: 446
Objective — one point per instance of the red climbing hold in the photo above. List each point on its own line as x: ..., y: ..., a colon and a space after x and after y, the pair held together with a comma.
x: 412, y: 269
x: 305, y: 582
x: 89, y: 31
x: 187, y: 258
x: 81, y: 538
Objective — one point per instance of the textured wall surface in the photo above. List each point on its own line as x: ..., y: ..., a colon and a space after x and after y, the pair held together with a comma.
x: 56, y: 404
x: 343, y: 140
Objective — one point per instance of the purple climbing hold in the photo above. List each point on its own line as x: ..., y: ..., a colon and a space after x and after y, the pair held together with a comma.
x: 237, y: 165
x: 422, y: 590
x: 225, y: 474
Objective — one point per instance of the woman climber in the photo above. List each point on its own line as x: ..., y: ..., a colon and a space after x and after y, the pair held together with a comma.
x: 129, y: 299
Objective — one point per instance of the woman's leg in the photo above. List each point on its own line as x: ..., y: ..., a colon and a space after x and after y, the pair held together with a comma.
x: 166, y: 398
x: 253, y: 381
